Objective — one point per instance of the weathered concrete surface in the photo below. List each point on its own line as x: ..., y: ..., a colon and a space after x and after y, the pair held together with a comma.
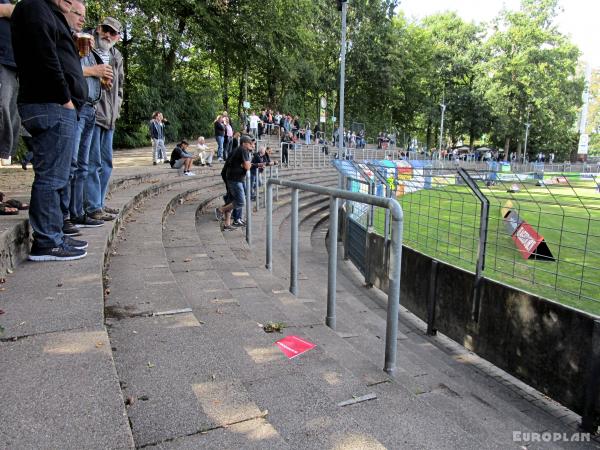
x: 60, y: 390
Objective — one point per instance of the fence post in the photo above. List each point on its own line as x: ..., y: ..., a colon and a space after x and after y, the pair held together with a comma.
x: 248, y: 210
x: 269, y: 237
x: 431, y: 299
x: 294, y: 244
x: 332, y: 266
x: 590, y: 420
x: 483, y: 228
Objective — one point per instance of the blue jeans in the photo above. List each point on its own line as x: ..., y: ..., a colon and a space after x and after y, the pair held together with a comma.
x: 99, y: 168
x: 52, y: 128
x: 237, y: 193
x: 220, y: 140
x: 79, y: 163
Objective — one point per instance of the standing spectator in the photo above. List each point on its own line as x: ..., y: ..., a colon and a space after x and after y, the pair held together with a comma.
x: 253, y: 124
x: 220, y: 131
x: 286, y: 142
x: 107, y: 34
x: 93, y: 71
x: 228, y: 146
x: 239, y: 164
x: 52, y: 89
x: 307, y: 132
x: 157, y: 134
x: 10, y: 121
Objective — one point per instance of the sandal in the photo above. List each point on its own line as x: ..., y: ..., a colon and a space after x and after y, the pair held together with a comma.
x: 7, y: 210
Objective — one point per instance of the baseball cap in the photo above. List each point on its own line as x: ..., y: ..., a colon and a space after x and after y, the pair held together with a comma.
x: 246, y: 139
x: 113, y: 23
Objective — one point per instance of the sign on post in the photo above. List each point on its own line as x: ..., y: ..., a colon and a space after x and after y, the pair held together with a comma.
x: 529, y: 242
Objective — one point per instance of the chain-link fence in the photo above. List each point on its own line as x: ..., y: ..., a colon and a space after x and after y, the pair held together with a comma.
x: 538, y: 231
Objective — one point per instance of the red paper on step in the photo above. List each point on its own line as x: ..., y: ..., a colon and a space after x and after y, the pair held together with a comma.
x: 293, y: 346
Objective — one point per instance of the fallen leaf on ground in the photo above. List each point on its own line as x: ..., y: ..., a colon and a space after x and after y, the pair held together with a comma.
x: 187, y: 259
x: 150, y: 365
x: 99, y: 344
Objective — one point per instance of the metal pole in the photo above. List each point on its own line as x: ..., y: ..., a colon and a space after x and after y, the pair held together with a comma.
x: 257, y: 190
x: 342, y: 78
x: 332, y: 266
x: 391, y: 330
x: 248, y: 210
x: 269, y: 237
x: 443, y: 106
x: 483, y: 231
x: 294, y: 244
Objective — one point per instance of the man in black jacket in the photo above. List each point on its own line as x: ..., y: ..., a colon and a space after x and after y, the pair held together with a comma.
x: 51, y: 90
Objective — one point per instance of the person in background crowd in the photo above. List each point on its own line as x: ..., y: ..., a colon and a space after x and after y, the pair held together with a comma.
x: 307, y: 132
x: 286, y: 142
x: 228, y: 143
x: 182, y: 159
x: 204, y: 153
x: 220, y: 130
x: 50, y: 94
x: 10, y: 122
x: 107, y: 34
x: 157, y: 135
x: 254, y: 120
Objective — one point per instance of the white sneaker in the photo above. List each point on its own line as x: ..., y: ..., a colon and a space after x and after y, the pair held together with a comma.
x: 190, y: 174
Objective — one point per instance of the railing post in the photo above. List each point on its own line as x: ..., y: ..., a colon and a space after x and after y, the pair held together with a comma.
x: 248, y: 210
x: 257, y: 189
x: 294, y: 244
x: 391, y: 331
x: 269, y: 237
x: 332, y: 266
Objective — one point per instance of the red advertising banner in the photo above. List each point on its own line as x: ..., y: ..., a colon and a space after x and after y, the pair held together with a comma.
x: 293, y: 346
x: 530, y: 243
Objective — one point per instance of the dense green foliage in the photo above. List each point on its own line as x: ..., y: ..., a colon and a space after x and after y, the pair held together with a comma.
x: 192, y: 59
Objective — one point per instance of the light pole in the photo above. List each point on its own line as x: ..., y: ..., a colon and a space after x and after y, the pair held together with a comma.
x: 527, y: 125
x: 342, y: 6
x: 443, y: 106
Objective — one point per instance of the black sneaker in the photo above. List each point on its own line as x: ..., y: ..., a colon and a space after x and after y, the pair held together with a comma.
x: 86, y: 221
x: 60, y: 253
x: 69, y: 229
x: 238, y: 223
x: 75, y: 243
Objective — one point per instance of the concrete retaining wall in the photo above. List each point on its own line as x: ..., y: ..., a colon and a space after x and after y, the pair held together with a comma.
x: 545, y: 344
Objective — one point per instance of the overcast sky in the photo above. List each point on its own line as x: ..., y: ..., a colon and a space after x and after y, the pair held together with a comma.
x: 579, y: 20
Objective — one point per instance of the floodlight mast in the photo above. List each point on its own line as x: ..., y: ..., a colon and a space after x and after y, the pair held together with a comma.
x: 343, y: 7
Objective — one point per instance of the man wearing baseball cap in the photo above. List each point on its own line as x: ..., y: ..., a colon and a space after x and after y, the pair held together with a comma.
x: 237, y: 166
x: 108, y: 109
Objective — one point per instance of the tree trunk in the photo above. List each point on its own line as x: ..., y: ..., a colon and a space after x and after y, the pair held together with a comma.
x: 472, y: 139
x: 171, y: 56
x: 507, y: 146
x: 225, y: 83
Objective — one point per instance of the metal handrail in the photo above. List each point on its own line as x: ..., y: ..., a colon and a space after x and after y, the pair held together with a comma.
x: 395, y: 254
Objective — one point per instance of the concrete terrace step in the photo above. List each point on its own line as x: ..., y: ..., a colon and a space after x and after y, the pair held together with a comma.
x: 60, y: 388
x: 223, y: 370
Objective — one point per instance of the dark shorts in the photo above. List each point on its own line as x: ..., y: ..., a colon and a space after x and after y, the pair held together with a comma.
x: 236, y: 193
